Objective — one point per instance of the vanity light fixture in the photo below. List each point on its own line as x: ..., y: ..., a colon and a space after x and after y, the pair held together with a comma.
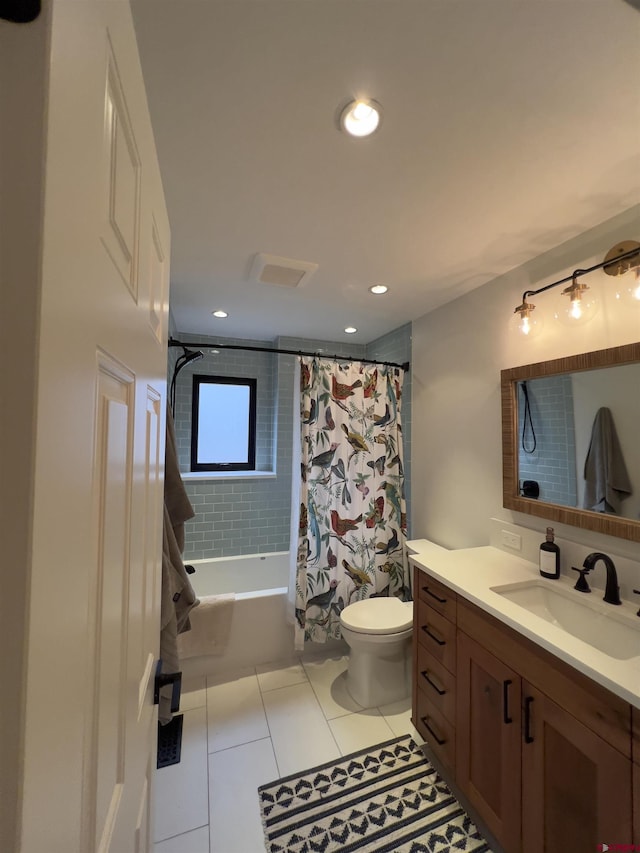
x: 360, y: 118
x: 627, y: 291
x: 583, y: 301
x: 220, y: 314
x: 378, y: 289
x: 622, y: 257
x: 631, y: 293
x: 524, y: 322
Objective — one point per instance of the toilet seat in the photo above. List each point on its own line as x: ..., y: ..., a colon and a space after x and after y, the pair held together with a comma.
x: 378, y: 616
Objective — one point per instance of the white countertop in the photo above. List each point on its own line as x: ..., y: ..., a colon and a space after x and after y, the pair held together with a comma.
x: 471, y: 572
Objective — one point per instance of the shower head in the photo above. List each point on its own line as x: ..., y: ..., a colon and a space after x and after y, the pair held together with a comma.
x: 191, y: 355
x: 188, y: 356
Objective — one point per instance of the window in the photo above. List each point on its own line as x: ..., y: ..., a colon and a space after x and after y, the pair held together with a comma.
x: 223, y: 424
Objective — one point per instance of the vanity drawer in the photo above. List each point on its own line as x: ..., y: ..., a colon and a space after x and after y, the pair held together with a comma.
x: 436, y: 595
x: 437, y: 683
x: 437, y: 635
x: 436, y: 730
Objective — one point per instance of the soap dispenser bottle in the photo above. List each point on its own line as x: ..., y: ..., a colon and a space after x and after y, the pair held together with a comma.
x: 549, y: 557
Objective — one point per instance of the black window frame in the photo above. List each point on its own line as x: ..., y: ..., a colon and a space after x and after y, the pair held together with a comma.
x: 207, y: 379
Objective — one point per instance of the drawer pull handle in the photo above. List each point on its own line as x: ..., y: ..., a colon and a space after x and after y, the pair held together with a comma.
x: 439, y: 641
x: 436, y: 737
x: 505, y: 702
x: 527, y: 719
x: 433, y: 595
x: 438, y: 690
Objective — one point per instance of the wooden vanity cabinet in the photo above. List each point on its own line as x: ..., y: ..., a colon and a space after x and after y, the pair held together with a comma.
x: 543, y: 753
x: 434, y: 663
x: 488, y: 739
x: 635, y: 755
x: 636, y: 803
x: 570, y: 739
x: 576, y: 788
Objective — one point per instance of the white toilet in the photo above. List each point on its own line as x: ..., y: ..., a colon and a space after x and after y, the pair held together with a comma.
x: 378, y: 633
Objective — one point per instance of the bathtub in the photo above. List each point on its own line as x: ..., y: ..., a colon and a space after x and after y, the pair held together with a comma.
x: 260, y: 631
x: 255, y: 574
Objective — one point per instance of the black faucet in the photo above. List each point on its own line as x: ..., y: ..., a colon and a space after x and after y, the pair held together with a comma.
x: 612, y: 590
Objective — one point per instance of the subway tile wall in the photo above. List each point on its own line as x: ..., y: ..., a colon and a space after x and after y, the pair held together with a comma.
x: 553, y: 463
x: 251, y: 514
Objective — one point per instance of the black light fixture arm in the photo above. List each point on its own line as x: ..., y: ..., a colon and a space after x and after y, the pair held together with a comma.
x: 209, y: 345
x: 576, y: 273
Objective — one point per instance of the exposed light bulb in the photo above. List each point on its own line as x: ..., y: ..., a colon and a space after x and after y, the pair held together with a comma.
x: 629, y: 292
x: 576, y: 307
x: 524, y: 323
x: 583, y: 303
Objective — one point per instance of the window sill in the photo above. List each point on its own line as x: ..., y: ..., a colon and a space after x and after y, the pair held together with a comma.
x: 205, y: 476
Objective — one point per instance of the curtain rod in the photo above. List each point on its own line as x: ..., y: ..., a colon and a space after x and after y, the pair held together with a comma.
x: 173, y: 342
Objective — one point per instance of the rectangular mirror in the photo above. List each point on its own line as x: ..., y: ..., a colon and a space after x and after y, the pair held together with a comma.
x: 551, y: 412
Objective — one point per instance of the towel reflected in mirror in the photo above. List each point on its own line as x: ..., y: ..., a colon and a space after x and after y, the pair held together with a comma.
x: 607, y: 482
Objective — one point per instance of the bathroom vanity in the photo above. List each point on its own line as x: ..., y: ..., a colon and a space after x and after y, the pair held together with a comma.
x: 540, y: 730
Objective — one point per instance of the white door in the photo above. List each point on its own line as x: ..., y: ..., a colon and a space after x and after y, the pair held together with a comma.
x: 93, y: 637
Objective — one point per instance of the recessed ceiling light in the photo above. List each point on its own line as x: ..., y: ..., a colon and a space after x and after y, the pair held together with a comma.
x: 360, y: 118
x: 219, y: 313
x: 350, y: 330
x: 378, y: 288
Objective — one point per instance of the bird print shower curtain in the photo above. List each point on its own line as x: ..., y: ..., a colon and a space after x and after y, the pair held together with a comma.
x: 352, y: 518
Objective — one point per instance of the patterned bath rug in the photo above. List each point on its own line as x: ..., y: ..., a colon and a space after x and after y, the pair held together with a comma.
x: 384, y: 799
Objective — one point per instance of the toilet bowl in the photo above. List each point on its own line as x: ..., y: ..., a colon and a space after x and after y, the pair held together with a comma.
x: 378, y: 633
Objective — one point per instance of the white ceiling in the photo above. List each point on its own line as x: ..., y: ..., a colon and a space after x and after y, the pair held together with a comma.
x: 509, y: 126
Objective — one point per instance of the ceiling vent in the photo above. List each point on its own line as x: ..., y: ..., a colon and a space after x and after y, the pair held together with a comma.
x: 285, y: 272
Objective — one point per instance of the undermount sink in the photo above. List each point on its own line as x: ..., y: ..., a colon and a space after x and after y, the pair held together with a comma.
x: 606, y: 627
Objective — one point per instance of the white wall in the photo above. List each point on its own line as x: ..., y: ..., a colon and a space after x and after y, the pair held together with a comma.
x: 619, y: 391
x: 458, y: 353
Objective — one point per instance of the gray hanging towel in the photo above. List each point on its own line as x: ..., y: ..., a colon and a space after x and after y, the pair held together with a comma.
x: 607, y: 481
x: 178, y: 597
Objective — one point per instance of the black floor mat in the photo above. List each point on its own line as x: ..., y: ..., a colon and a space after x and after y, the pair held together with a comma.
x: 169, y: 742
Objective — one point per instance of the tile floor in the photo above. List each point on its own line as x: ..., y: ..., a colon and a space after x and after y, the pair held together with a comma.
x: 250, y: 727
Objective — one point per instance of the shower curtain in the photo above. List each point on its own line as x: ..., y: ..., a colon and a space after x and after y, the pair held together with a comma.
x: 350, y: 516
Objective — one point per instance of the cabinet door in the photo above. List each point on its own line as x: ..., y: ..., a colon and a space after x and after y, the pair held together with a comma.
x: 576, y: 788
x: 488, y: 739
x: 635, y: 784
